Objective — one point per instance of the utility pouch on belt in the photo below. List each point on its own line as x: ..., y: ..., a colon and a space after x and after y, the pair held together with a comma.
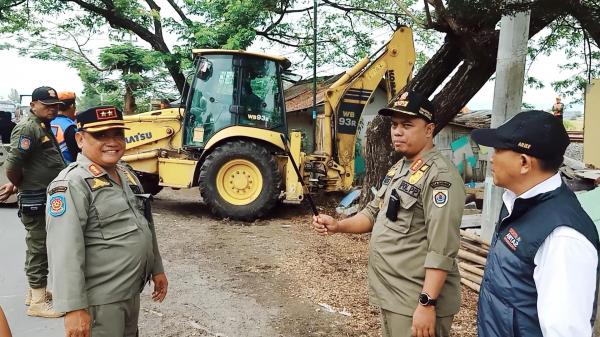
x: 393, y: 206
x: 32, y: 202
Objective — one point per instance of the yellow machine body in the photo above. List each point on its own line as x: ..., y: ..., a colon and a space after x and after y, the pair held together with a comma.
x: 169, y: 147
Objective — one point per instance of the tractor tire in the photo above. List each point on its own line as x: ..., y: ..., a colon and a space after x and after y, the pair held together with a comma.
x: 240, y: 180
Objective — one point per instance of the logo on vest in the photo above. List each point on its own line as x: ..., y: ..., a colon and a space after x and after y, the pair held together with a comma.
x: 512, y: 239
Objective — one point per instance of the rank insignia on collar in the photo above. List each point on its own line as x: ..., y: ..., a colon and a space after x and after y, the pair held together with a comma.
x: 440, y: 197
x: 95, y: 170
x: 416, y: 165
x: 391, y: 172
x: 57, y: 205
x: 416, y: 177
x: 97, y: 183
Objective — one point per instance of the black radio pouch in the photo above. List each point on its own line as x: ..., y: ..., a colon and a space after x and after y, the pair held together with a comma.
x: 393, y: 206
x: 32, y: 202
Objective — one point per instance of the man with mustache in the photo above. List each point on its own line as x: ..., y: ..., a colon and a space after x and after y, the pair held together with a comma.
x: 414, y: 220
x: 102, y: 244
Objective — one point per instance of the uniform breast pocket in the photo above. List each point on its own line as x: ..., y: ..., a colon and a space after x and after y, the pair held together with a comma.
x: 405, y: 214
x: 116, y: 218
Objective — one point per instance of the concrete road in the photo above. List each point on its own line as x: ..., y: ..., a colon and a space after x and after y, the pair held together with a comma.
x: 13, y: 282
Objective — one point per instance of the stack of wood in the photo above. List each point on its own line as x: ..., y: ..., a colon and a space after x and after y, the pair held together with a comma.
x: 471, y: 259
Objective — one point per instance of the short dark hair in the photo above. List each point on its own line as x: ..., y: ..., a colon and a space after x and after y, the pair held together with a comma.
x: 551, y: 164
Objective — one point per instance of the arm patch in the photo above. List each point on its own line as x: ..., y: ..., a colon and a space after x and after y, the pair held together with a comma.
x: 440, y: 183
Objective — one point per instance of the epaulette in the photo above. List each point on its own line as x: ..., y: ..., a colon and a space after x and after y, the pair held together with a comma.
x: 63, y: 174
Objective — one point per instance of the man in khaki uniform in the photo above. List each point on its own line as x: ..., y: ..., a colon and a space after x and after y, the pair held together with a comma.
x: 34, y: 160
x: 415, y: 220
x: 102, y: 245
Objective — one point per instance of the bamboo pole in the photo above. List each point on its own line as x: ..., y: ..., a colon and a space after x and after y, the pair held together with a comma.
x: 470, y: 284
x: 471, y: 268
x: 476, y: 249
x: 470, y: 276
x: 473, y: 237
x: 462, y: 254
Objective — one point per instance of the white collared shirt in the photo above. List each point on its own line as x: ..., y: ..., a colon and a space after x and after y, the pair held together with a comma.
x: 564, y: 274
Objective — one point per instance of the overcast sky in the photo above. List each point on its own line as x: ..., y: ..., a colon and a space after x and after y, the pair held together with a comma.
x: 25, y: 74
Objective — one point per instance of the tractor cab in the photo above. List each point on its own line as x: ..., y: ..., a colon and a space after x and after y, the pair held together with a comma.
x: 234, y: 88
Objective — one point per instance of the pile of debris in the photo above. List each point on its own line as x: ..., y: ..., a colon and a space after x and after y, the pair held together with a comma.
x: 471, y: 259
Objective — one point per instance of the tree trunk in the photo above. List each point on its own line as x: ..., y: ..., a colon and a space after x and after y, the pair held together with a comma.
x: 379, y: 156
x: 129, y: 105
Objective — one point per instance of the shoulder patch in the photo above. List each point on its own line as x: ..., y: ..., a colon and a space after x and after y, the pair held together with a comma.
x: 440, y: 197
x: 97, y: 183
x: 440, y: 183
x: 57, y: 205
x: 24, y: 143
x: 57, y: 189
x: 95, y: 170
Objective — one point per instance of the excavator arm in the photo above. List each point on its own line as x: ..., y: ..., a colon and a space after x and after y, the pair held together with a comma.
x: 332, y: 164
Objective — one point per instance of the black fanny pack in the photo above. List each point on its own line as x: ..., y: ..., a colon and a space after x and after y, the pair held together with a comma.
x: 32, y: 202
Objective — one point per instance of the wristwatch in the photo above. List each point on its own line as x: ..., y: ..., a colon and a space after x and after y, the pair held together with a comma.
x: 426, y: 300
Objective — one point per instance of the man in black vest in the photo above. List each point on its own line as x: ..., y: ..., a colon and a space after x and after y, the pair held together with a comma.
x: 541, y: 272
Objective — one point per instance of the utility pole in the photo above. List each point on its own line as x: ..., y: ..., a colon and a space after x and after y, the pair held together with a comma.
x: 508, y: 98
x: 314, y: 112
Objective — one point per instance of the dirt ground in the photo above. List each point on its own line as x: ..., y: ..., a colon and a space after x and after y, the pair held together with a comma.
x: 273, y: 277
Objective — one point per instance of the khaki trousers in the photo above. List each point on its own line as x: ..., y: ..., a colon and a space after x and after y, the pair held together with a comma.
x: 119, y: 319
x: 396, y: 325
x: 36, y: 257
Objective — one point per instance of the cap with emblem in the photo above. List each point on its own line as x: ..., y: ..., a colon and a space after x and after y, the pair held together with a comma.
x: 535, y: 133
x: 100, y: 118
x: 411, y: 103
x: 45, y: 95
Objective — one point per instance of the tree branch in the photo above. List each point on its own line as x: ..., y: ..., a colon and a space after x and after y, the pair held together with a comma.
x: 180, y: 12
x: 157, y: 24
x: 379, y: 14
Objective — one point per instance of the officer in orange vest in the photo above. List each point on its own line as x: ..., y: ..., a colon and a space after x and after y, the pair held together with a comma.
x: 64, y: 128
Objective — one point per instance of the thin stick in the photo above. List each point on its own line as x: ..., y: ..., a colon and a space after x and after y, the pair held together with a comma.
x: 476, y: 249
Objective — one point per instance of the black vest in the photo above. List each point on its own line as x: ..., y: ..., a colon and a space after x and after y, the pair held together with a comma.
x: 508, y: 298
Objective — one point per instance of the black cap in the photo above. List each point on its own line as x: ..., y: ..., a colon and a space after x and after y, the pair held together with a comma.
x: 535, y: 133
x: 413, y: 104
x: 45, y: 95
x: 100, y: 118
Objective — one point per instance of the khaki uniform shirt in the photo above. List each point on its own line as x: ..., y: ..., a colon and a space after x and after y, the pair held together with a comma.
x: 101, y: 248
x: 425, y: 234
x: 35, y: 151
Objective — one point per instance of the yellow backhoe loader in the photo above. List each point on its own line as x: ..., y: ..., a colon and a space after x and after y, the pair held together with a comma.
x: 227, y: 139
